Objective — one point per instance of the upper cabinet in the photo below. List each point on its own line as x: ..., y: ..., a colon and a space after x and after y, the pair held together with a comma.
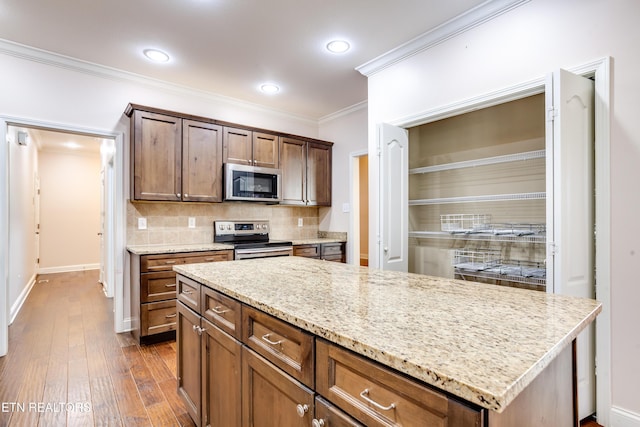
x: 246, y: 147
x: 178, y: 157
x: 175, y: 159
x: 306, y: 172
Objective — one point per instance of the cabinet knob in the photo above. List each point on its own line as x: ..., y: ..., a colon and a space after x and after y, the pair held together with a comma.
x: 302, y: 409
x: 178, y: 194
x: 317, y: 423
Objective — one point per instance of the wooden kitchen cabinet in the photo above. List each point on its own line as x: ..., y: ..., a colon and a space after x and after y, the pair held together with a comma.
x: 251, y: 148
x: 271, y: 398
x: 174, y: 159
x: 221, y: 378
x: 306, y: 172
x: 334, y: 251
x: 156, y: 153
x: 189, y: 371
x: 154, y: 291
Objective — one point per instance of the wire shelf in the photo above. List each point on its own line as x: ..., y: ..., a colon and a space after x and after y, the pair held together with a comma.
x: 529, y: 155
x: 487, y: 264
x: 479, y: 198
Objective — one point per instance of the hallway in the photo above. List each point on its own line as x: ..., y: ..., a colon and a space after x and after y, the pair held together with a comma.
x: 66, y: 366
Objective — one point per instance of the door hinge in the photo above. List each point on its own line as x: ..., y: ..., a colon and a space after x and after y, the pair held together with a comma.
x: 552, y: 248
x: 552, y: 113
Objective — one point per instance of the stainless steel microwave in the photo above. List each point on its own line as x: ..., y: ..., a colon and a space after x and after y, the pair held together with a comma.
x: 252, y: 183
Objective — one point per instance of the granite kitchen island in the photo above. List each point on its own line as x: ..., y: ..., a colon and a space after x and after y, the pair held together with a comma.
x: 506, y: 354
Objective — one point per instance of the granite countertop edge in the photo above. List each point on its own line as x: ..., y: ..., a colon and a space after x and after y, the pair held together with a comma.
x: 174, y: 248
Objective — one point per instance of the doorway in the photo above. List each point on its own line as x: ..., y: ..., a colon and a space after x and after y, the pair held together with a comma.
x: 359, y: 222
x: 109, y: 149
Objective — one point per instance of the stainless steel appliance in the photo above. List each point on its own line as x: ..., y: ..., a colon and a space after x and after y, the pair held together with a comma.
x: 252, y: 183
x: 250, y: 239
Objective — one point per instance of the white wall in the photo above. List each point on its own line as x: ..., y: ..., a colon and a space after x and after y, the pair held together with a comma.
x: 349, y: 134
x: 69, y: 211
x: 522, y: 45
x: 22, y: 244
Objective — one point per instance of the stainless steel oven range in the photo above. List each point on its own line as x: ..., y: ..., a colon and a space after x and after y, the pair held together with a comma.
x: 250, y: 239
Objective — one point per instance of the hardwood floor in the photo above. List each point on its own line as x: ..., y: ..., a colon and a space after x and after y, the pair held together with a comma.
x: 66, y: 366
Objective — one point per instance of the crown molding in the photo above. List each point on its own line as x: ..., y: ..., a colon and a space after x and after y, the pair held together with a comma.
x: 45, y: 57
x: 458, y: 25
x: 344, y: 112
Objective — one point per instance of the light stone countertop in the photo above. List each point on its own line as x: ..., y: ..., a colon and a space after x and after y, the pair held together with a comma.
x: 483, y: 343
x: 177, y: 248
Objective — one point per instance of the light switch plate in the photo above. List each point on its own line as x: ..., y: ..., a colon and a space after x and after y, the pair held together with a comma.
x: 299, y: 222
x: 346, y: 208
x: 192, y: 222
x: 142, y: 223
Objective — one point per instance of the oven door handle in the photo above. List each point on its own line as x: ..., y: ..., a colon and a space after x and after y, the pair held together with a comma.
x: 263, y: 250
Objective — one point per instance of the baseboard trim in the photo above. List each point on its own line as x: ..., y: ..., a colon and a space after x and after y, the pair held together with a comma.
x: 68, y: 268
x: 17, y: 306
x: 623, y: 418
x: 126, y: 325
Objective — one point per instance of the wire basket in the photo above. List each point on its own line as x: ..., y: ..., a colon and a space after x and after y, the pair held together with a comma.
x: 465, y: 223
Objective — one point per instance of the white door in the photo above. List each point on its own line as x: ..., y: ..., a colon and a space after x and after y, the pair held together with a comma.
x: 101, y: 232
x: 570, y: 208
x: 36, y: 207
x: 394, y: 199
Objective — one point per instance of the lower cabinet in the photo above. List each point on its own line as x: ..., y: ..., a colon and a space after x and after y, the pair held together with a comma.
x: 271, y: 398
x: 334, y: 251
x: 238, y: 366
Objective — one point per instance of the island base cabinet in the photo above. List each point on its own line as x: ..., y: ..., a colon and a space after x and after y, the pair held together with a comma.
x: 188, y: 361
x: 271, y: 398
x: 221, y: 378
x: 327, y: 415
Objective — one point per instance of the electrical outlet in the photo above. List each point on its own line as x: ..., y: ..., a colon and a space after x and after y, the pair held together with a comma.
x: 192, y: 222
x: 299, y: 222
x: 142, y: 223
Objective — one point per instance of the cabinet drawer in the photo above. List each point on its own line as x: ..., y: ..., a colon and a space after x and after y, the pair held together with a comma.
x: 160, y: 286
x: 222, y: 311
x: 328, y: 415
x: 159, y: 262
x: 288, y: 347
x: 188, y: 292
x: 329, y: 249
x: 209, y: 257
x: 157, y: 317
x: 309, y: 251
x: 373, y: 394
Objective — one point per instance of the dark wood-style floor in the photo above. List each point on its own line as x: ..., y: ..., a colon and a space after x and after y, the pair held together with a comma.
x: 66, y: 366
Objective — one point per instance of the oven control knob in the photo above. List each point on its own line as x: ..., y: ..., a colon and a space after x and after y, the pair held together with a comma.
x: 229, y: 227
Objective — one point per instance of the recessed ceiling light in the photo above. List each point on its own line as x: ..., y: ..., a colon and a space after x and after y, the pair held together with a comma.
x: 338, y: 46
x: 156, y: 55
x: 72, y: 145
x: 269, y: 88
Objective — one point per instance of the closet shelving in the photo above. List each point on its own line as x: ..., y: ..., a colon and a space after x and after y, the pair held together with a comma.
x: 486, y: 263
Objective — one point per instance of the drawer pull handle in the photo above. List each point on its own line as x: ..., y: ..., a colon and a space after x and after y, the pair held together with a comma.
x: 169, y: 262
x: 187, y: 292
x: 302, y: 409
x: 169, y: 316
x: 317, y: 423
x: 209, y: 259
x: 266, y: 338
x: 365, y: 396
x: 217, y: 310
x: 171, y: 285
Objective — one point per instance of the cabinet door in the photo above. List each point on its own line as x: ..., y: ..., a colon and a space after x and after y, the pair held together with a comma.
x: 328, y: 415
x: 237, y: 146
x: 319, y: 174
x: 266, y: 149
x: 221, y: 378
x: 271, y: 398
x: 293, y: 163
x: 157, y: 157
x: 201, y: 161
x: 188, y: 361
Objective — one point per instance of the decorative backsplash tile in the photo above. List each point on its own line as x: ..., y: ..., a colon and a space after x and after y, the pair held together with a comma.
x: 167, y: 223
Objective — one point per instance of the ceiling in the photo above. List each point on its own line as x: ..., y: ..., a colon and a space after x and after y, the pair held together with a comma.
x: 230, y: 47
x: 52, y: 140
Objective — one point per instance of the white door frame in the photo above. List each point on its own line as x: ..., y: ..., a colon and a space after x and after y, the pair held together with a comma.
x: 119, y: 214
x: 600, y: 70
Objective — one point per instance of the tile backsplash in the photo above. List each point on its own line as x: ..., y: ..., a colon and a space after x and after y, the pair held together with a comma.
x: 167, y: 223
